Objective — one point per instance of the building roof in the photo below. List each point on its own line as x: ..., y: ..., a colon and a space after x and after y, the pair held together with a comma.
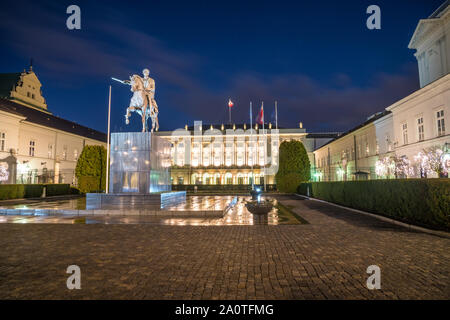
x: 49, y: 120
x: 7, y: 83
x: 424, y: 25
x: 207, y: 126
x: 369, y: 120
x: 439, y: 10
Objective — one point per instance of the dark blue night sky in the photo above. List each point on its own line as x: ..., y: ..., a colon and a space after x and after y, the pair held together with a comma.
x: 316, y: 58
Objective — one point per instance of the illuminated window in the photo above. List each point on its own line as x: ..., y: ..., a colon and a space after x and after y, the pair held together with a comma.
x: 440, y: 123
x: 405, y: 133
x: 31, y: 150
x: 207, y: 155
x: 64, y: 155
x: 50, y: 151
x: 217, y: 154
x: 240, y: 153
x: 229, y: 154
x: 195, y: 154
x: 2, y: 141
x: 420, y: 129
x: 261, y: 153
x: 251, y: 153
x: 180, y: 154
x: 75, y: 154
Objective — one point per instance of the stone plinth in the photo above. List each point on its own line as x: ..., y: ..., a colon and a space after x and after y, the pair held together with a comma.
x: 139, y: 174
x: 134, y: 201
x: 140, y: 163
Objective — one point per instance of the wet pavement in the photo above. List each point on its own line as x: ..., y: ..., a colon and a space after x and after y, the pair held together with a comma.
x: 325, y: 259
x: 238, y: 215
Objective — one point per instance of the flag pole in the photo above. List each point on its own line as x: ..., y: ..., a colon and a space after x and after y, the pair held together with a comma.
x: 252, y: 144
x: 265, y: 146
x: 107, y: 144
x: 276, y: 115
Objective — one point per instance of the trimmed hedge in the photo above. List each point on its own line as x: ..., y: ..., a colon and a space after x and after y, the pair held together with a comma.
x: 57, y: 189
x: 418, y: 201
x: 19, y: 191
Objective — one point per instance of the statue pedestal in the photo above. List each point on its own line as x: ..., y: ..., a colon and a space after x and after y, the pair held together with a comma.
x: 139, y: 174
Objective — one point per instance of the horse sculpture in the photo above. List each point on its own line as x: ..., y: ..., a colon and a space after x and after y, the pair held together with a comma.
x: 142, y: 101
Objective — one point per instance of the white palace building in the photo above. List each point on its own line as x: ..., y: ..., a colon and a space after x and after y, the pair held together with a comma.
x: 234, y: 153
x: 407, y: 127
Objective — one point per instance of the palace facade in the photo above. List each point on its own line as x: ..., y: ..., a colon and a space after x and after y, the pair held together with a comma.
x: 234, y: 153
x: 406, y: 128
x: 35, y: 145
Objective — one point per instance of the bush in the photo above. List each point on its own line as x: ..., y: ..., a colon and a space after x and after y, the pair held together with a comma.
x: 57, y: 189
x: 11, y: 191
x: 89, y: 184
x: 32, y: 190
x: 418, y: 201
x: 294, y: 166
x: 91, y: 169
x: 19, y: 191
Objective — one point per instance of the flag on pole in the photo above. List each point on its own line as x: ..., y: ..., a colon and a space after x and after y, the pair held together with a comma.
x: 230, y: 103
x: 260, y: 117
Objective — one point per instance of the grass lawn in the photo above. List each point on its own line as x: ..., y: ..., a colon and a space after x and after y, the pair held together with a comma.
x: 287, y: 216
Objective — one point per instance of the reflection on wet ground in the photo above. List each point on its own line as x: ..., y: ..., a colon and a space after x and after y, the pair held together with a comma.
x: 238, y: 215
x: 193, y: 203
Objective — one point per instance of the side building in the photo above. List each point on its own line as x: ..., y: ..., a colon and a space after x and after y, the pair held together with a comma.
x: 391, y: 143
x: 35, y: 145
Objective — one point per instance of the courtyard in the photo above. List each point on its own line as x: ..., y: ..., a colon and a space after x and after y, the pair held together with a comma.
x: 326, y: 258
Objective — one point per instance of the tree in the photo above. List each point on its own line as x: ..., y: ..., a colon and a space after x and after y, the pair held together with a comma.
x: 294, y: 166
x: 91, y: 169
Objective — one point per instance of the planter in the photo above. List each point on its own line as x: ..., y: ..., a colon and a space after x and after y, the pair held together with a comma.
x: 263, y: 207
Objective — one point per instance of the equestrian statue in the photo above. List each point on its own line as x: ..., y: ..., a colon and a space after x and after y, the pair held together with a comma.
x: 143, y: 100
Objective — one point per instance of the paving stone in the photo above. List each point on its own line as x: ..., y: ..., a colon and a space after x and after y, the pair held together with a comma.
x: 325, y: 259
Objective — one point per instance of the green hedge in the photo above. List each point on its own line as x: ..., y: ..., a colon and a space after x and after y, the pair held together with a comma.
x: 57, y: 189
x: 19, y: 191
x: 418, y: 201
x: 89, y: 184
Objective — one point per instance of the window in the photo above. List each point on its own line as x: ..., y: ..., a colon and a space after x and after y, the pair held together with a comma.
x: 2, y: 141
x: 50, y: 151
x: 64, y: 155
x: 28, y: 94
x: 377, y: 147
x: 32, y: 145
x: 405, y: 133
x: 420, y: 129
x: 440, y: 123
x: 32, y: 96
x: 75, y: 154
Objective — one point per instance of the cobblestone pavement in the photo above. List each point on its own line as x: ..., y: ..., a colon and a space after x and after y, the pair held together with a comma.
x: 326, y: 259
